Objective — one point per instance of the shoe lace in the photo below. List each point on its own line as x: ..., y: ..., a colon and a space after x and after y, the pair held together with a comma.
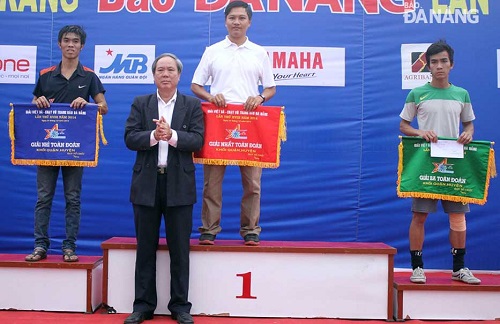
x: 465, y: 272
x: 418, y: 272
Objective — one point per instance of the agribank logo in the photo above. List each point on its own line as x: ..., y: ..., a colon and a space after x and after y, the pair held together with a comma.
x: 17, y: 64
x: 448, y: 12
x: 414, y: 70
x: 419, y: 62
x: 124, y: 63
x: 308, y: 66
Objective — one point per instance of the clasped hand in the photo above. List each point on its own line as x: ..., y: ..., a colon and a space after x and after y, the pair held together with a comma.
x: 163, y: 132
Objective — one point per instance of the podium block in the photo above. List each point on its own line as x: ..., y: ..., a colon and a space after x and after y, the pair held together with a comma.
x: 275, y: 279
x: 51, y: 284
x: 442, y: 298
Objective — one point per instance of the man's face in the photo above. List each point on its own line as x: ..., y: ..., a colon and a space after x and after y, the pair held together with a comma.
x: 237, y: 23
x: 440, y: 65
x: 71, y: 45
x: 166, y: 75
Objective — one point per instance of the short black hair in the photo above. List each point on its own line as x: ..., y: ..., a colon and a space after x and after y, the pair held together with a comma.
x: 238, y: 4
x: 438, y: 47
x: 78, y: 30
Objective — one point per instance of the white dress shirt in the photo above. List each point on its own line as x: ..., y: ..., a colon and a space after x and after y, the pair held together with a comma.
x: 235, y: 71
x: 165, y: 109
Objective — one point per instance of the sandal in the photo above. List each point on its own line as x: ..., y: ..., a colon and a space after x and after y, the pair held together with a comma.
x: 69, y: 255
x: 37, y: 255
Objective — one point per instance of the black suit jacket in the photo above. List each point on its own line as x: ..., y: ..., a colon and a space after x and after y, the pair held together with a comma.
x: 187, y: 121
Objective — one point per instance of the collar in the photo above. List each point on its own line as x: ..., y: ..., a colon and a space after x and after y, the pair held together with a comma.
x: 79, y: 69
x: 228, y: 43
x: 172, y: 100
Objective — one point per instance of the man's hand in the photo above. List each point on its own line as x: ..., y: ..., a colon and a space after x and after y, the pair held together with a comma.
x: 218, y: 100
x: 41, y: 102
x: 253, y: 102
x: 429, y: 136
x: 78, y: 103
x: 163, y: 132
x: 465, y: 138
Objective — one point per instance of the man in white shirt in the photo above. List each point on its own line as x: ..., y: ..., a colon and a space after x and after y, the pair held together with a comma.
x: 235, y: 66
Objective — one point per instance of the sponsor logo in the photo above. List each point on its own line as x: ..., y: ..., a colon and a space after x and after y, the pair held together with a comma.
x: 55, y: 132
x: 17, y: 64
x: 423, y: 97
x: 418, y: 62
x: 81, y: 86
x: 38, y: 6
x: 414, y: 70
x: 448, y: 12
x: 443, y: 167
x: 308, y: 66
x: 236, y: 133
x: 311, y: 6
x: 124, y: 63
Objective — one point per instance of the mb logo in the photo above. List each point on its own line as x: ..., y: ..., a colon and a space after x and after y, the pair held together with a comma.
x: 124, y: 63
x: 132, y: 63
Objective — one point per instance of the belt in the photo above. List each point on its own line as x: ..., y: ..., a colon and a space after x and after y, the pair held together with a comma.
x: 162, y: 170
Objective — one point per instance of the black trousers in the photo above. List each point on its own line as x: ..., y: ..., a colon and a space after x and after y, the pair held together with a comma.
x: 178, y: 225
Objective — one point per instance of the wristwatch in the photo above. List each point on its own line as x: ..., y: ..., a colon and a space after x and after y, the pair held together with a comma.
x: 263, y: 98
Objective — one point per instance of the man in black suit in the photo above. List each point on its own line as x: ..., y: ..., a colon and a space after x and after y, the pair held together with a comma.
x: 165, y: 128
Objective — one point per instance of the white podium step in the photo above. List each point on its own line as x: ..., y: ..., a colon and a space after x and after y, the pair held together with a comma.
x: 51, y: 284
x: 275, y: 279
x: 442, y: 298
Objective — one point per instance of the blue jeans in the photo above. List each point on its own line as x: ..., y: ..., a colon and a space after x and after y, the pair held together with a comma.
x: 46, y: 180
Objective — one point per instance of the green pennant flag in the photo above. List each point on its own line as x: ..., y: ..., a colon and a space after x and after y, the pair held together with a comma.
x: 464, y: 179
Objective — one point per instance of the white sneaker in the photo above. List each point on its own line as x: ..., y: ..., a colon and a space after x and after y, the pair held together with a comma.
x: 418, y: 276
x: 466, y: 276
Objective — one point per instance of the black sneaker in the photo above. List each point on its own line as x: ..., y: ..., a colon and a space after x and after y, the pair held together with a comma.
x: 252, y: 239
x: 207, y: 239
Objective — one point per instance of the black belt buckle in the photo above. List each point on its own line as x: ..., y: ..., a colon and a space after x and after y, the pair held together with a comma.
x: 162, y: 170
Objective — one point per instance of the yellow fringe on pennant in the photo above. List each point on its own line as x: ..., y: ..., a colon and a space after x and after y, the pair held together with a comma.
x: 282, y: 126
x: 237, y: 162
x: 400, y: 163
x: 281, y: 138
x: 270, y: 165
x: 463, y: 200
x: 55, y: 162
x: 98, y: 123
x: 492, y: 167
x: 491, y: 173
x: 101, y: 129
x: 11, y: 133
x: 11, y: 123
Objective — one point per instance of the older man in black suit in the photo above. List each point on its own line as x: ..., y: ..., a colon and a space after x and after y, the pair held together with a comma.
x: 165, y: 128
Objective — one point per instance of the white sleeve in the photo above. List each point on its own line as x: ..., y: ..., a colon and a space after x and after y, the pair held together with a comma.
x: 267, y: 73
x: 202, y: 72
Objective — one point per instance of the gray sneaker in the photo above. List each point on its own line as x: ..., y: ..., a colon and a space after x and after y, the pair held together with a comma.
x: 466, y: 276
x: 418, y: 276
